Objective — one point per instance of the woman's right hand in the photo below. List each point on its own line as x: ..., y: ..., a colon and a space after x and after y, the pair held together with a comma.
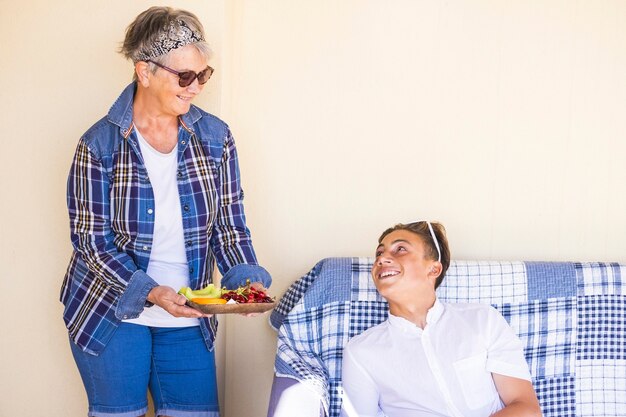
x: 172, y: 302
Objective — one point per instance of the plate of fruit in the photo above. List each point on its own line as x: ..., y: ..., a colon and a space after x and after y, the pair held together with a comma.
x: 215, y: 300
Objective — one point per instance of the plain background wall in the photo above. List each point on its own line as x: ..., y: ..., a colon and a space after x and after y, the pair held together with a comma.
x: 502, y: 119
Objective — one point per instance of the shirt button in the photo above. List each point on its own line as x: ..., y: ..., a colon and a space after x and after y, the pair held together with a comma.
x: 186, y: 207
x: 125, y: 317
x: 191, y: 270
x: 180, y: 174
x: 183, y: 142
x: 145, y: 247
x: 189, y: 243
x: 150, y: 211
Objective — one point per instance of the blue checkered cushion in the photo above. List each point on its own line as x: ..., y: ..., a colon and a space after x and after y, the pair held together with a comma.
x: 571, y: 317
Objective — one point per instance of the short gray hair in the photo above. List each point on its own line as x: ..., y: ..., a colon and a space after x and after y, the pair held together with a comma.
x: 144, y: 36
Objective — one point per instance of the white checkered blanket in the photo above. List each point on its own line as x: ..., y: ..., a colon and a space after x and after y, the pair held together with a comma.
x: 571, y: 317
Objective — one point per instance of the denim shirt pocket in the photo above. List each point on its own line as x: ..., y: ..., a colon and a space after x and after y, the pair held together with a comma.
x: 475, y: 381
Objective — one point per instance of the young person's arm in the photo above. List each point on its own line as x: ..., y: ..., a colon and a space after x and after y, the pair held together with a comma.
x: 518, y: 396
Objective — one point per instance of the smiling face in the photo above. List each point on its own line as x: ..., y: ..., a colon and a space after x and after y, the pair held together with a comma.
x: 167, y: 96
x: 401, y: 271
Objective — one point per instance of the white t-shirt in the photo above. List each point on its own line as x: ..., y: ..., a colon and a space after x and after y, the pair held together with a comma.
x: 168, y: 260
x: 396, y: 369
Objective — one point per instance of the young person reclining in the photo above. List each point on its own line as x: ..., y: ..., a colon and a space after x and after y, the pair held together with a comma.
x: 431, y: 358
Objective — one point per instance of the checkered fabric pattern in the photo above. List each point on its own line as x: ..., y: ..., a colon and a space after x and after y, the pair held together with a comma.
x: 570, y: 316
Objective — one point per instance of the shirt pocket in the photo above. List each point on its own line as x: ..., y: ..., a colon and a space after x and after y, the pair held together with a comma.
x: 475, y: 381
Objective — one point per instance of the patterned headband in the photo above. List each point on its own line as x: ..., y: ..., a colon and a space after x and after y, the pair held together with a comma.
x: 175, y: 35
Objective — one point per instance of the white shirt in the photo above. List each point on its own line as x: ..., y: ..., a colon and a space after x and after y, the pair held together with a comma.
x: 168, y: 259
x: 396, y: 369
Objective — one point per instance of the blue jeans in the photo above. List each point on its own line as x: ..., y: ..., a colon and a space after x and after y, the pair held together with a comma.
x: 173, y: 363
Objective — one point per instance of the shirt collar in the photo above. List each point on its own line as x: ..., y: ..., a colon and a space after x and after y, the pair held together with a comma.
x: 121, y: 112
x: 405, y: 326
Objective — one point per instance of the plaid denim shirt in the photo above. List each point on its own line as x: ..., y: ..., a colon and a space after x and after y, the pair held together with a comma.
x: 111, y: 210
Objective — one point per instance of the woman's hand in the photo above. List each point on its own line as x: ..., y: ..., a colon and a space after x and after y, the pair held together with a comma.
x: 258, y: 286
x: 172, y: 302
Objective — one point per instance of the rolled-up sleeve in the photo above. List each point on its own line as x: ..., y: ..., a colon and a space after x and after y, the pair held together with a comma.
x: 505, y: 355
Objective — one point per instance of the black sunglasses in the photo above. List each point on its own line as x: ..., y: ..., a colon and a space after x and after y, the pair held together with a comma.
x: 185, y: 78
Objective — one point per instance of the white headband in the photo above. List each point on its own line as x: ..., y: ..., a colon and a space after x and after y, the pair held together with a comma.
x: 432, y: 233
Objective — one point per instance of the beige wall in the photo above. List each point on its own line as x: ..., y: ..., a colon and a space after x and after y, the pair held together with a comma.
x: 503, y: 120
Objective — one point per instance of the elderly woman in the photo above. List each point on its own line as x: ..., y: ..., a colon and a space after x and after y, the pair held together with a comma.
x: 431, y: 358
x: 154, y: 200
